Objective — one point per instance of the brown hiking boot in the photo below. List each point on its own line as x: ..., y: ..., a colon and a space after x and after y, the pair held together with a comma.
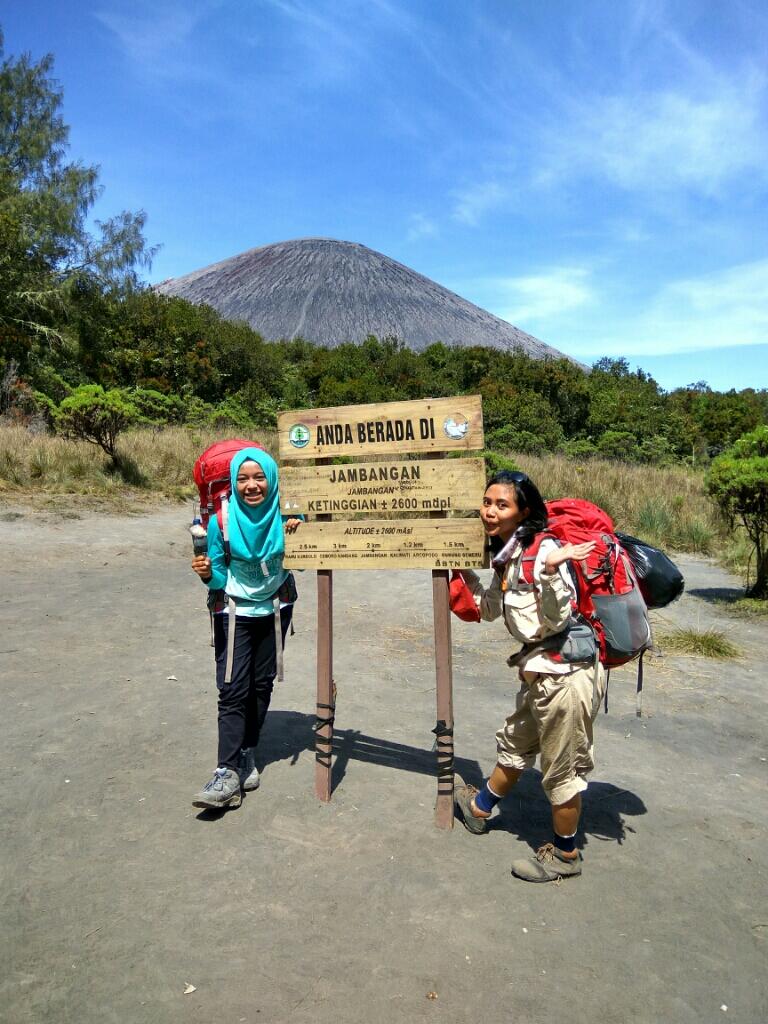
x: 463, y: 798
x: 547, y: 865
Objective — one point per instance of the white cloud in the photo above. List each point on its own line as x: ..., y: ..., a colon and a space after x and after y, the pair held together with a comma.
x: 718, y: 310
x: 470, y: 204
x: 701, y: 137
x: 420, y: 226
x: 156, y: 38
x: 541, y: 297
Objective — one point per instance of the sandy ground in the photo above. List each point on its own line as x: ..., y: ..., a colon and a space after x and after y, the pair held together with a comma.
x: 117, y: 894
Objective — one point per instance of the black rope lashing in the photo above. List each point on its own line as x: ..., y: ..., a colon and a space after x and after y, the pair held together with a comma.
x: 323, y: 757
x: 320, y: 721
x: 444, y: 747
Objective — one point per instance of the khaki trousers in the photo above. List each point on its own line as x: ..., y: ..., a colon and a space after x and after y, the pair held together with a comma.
x: 553, y: 717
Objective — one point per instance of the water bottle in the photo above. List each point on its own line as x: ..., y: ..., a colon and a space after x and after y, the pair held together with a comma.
x: 199, y: 537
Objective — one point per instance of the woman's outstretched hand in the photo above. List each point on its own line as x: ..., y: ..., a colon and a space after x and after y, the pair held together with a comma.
x: 292, y: 524
x: 201, y: 564
x: 574, y: 551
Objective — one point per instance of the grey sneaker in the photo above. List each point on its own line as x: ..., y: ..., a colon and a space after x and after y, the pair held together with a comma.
x: 463, y: 798
x: 546, y: 865
x: 222, y: 791
x: 247, y: 770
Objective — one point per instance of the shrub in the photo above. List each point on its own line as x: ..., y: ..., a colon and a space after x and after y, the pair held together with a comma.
x: 738, y: 481
x: 231, y: 412
x: 50, y: 383
x: 495, y: 463
x: 579, y: 449
x: 657, y: 451
x: 505, y: 439
x: 618, y: 444
x: 97, y: 416
x: 155, y: 407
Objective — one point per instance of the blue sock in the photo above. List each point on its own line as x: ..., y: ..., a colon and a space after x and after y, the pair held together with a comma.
x: 565, y: 844
x: 486, y: 799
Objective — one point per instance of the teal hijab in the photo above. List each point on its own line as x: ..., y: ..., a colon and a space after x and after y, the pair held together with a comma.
x: 255, y: 533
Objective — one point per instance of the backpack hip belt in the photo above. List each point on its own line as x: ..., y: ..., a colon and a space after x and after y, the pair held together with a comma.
x: 576, y: 644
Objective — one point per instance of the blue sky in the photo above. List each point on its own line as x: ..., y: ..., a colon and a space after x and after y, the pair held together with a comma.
x: 594, y: 172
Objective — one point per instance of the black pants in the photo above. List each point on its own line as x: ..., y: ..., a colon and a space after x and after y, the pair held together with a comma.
x: 243, y: 703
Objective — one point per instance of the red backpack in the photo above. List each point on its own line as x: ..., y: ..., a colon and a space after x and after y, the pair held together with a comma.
x: 607, y: 591
x: 211, y: 474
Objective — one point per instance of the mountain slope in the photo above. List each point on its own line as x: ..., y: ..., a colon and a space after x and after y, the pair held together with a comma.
x: 330, y: 292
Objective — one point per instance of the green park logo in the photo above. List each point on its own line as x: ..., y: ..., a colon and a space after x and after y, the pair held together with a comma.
x: 299, y: 435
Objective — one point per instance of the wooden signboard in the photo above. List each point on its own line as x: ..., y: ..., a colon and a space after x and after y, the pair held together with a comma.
x: 387, y: 544
x: 428, y: 425
x: 394, y: 486
x: 401, y: 485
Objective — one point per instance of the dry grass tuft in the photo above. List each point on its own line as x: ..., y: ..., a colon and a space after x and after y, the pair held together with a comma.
x: 708, y: 643
x: 744, y: 607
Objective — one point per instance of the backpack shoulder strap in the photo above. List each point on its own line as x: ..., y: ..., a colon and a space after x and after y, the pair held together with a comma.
x: 528, y: 560
x: 225, y: 530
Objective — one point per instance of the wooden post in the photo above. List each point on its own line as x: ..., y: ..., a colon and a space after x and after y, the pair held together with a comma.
x: 444, y: 674
x: 444, y: 691
x: 326, y: 698
x: 326, y: 691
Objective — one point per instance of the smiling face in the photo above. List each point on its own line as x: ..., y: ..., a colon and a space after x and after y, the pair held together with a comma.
x: 252, y: 486
x: 500, y: 512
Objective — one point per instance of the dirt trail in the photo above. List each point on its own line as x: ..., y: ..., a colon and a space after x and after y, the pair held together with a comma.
x: 116, y: 894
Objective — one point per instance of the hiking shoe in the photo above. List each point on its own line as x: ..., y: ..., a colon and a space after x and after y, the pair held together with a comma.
x: 247, y: 770
x: 463, y: 799
x: 546, y: 865
x: 222, y: 791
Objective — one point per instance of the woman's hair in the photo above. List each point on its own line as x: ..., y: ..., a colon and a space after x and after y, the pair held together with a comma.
x: 527, y: 496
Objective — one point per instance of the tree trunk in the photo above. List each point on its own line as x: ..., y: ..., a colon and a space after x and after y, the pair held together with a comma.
x: 760, y: 587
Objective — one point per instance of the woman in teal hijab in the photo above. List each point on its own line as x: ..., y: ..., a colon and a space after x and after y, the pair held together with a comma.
x: 253, y: 601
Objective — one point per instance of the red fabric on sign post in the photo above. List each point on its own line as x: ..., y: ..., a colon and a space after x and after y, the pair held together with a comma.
x: 461, y: 599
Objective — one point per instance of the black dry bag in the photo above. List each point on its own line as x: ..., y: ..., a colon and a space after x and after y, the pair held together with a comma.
x: 661, y: 582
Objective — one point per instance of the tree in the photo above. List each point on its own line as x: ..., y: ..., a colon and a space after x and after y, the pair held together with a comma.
x: 92, y: 414
x: 508, y: 410
x: 738, y: 481
x: 44, y: 203
x: 623, y: 400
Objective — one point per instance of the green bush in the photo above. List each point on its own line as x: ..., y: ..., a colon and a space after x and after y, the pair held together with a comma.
x: 155, y: 407
x: 656, y: 451
x: 618, y: 444
x: 92, y: 414
x: 231, y: 412
x: 505, y: 439
x: 45, y: 379
x: 579, y: 449
x: 495, y: 463
x: 738, y: 481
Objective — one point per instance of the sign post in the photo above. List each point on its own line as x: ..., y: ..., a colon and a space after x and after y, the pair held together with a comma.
x: 326, y: 691
x: 428, y: 488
